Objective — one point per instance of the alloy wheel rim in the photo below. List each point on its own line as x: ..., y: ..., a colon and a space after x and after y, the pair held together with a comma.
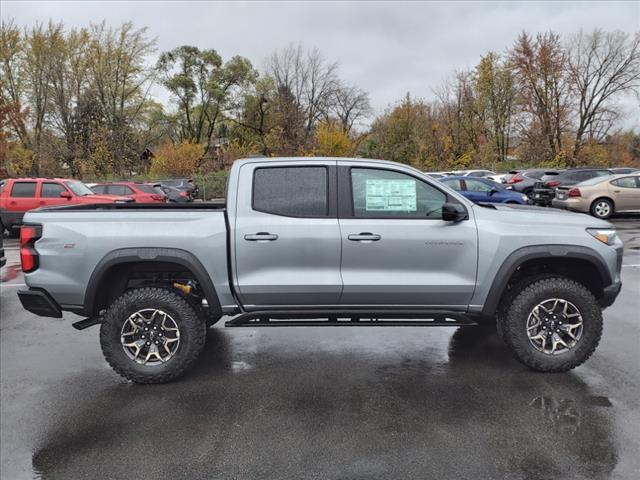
x: 602, y: 209
x: 554, y: 326
x: 150, y: 337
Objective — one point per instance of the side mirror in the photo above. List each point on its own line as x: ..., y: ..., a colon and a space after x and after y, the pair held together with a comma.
x: 453, y: 212
x: 65, y: 194
x: 493, y: 191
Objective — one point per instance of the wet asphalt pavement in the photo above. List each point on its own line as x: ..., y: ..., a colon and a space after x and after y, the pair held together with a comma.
x: 321, y: 403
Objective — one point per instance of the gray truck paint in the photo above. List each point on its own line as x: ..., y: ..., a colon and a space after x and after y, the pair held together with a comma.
x: 421, y: 263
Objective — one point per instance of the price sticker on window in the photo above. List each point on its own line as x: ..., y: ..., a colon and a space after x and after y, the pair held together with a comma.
x: 391, y: 195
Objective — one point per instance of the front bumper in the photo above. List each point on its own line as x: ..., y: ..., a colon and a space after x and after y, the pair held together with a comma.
x: 609, y: 294
x: 39, y: 302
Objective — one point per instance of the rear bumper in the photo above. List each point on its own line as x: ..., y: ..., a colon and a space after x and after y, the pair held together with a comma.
x: 40, y: 303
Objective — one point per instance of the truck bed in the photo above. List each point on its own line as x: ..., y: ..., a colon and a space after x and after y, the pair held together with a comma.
x: 218, y: 204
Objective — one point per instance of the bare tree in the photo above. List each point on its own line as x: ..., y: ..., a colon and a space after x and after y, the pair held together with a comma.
x: 307, y: 80
x: 602, y: 65
x: 350, y: 105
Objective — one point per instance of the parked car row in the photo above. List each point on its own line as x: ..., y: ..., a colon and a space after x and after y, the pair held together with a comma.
x: 600, y: 192
x: 19, y: 195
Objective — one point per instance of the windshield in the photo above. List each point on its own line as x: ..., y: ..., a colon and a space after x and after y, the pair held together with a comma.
x: 79, y: 188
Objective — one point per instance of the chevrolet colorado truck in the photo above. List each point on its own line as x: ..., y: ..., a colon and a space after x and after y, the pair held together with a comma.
x: 320, y: 242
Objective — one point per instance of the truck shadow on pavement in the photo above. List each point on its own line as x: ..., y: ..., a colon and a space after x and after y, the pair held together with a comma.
x: 254, y: 409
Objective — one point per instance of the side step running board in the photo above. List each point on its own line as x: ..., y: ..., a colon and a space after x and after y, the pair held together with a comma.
x: 86, y: 323
x: 352, y: 318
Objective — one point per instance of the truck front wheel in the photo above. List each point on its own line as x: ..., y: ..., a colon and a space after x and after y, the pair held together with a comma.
x: 151, y: 335
x: 552, y: 325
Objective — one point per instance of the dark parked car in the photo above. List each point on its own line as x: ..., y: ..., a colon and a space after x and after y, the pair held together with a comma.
x: 544, y: 191
x: 176, y: 195
x: 484, y: 190
x: 185, y: 184
x: 523, y: 181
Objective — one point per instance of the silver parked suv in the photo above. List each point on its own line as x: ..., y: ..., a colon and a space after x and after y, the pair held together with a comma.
x: 322, y: 242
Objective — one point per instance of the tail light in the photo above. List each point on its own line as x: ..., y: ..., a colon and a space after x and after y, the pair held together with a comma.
x: 159, y: 198
x: 28, y: 255
x: 574, y: 192
x: 552, y: 183
x: 516, y: 178
x: 183, y: 193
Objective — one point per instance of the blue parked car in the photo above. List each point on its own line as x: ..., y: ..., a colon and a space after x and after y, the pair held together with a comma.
x: 483, y: 190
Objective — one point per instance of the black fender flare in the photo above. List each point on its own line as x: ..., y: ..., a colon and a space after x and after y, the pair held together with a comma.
x: 524, y: 254
x: 151, y: 254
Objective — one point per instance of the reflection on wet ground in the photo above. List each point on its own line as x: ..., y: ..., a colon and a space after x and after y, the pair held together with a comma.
x: 275, y: 412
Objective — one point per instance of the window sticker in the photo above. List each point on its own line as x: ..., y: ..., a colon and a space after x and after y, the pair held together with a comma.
x: 391, y: 195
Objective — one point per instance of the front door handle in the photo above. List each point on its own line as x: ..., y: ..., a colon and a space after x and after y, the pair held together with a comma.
x: 364, y: 237
x: 261, y: 237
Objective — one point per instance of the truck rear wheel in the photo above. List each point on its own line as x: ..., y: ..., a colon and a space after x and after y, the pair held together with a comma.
x: 151, y: 335
x: 552, y: 325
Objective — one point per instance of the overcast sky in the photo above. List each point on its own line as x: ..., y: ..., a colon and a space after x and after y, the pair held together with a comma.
x: 386, y: 48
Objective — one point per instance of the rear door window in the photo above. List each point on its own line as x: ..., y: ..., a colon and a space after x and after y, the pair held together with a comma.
x: 119, y: 190
x: 51, y: 190
x: 99, y: 189
x: 23, y: 189
x: 291, y: 191
x: 627, y: 182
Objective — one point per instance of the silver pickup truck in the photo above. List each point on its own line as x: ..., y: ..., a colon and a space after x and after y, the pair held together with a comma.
x: 321, y: 242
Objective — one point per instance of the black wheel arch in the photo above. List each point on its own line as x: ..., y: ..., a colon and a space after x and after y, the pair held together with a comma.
x: 137, y: 255
x: 559, y: 259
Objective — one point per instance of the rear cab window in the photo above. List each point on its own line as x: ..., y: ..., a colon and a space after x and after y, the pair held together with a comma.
x: 300, y: 191
x: 23, y: 190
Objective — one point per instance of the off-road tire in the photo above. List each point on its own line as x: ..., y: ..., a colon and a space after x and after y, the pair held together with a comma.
x: 192, y: 334
x: 513, y: 321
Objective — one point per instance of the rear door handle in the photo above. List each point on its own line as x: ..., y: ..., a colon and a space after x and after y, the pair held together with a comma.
x: 261, y: 237
x: 364, y: 237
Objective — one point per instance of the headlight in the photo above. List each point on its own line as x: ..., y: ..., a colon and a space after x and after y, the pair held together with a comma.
x: 524, y: 197
x: 608, y: 236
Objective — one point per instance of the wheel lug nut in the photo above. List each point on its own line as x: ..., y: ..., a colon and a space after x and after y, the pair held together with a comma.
x: 148, y: 343
x: 142, y: 336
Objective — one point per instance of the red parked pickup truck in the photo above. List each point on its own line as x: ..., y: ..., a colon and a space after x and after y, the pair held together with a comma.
x: 18, y: 195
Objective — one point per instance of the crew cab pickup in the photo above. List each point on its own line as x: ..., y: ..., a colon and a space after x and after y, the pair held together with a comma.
x: 321, y: 242
x: 18, y: 195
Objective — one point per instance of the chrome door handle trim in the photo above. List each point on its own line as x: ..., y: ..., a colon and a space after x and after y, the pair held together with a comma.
x: 261, y: 237
x: 364, y: 237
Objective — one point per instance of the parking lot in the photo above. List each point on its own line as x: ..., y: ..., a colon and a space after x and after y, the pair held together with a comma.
x: 321, y: 403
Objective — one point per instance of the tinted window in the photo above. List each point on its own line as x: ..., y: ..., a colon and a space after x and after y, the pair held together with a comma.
x: 119, y: 190
x: 291, y: 191
x: 101, y: 189
x: 23, y: 189
x: 626, y: 182
x: 384, y: 193
x: 52, y: 190
x: 477, y: 186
